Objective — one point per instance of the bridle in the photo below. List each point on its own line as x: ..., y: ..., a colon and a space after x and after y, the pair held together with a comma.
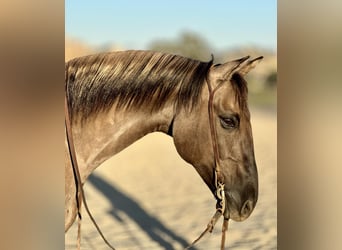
x: 221, y: 206
x: 218, y: 177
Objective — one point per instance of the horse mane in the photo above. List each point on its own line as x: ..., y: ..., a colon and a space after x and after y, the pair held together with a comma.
x: 131, y: 79
x: 240, y: 88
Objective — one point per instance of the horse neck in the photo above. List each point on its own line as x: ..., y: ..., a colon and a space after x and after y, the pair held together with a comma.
x: 103, y: 136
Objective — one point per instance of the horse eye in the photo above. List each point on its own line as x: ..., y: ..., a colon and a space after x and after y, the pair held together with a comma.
x: 229, y: 122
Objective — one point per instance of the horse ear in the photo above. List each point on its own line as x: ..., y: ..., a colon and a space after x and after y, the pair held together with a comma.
x: 224, y: 71
x: 242, y: 66
x: 250, y: 64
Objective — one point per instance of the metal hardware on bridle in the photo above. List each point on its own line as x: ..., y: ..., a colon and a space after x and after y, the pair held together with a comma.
x: 221, y: 207
x: 80, y: 196
x: 221, y: 199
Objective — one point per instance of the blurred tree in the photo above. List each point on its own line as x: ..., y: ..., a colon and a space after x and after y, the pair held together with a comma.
x: 189, y: 44
x: 271, y: 80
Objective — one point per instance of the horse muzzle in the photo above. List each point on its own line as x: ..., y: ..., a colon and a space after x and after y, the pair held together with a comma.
x: 239, y: 210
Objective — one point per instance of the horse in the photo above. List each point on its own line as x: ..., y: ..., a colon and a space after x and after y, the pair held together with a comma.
x: 116, y: 98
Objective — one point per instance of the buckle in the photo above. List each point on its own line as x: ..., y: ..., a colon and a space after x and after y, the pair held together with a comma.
x: 221, y: 197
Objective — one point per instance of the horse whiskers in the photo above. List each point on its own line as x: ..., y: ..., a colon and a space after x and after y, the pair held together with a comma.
x: 209, y: 228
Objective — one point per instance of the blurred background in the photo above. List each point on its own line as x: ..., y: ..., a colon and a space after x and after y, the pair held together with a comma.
x: 32, y: 48
x: 196, y: 29
x: 147, y: 197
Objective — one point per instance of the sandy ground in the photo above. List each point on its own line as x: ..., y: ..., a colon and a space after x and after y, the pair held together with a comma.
x: 147, y: 197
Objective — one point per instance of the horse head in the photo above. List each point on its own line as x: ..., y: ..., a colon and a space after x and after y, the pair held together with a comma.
x: 227, y: 130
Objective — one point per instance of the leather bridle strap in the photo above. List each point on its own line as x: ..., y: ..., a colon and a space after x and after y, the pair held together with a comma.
x: 218, y: 177
x: 221, y: 209
x: 77, y: 178
x: 74, y: 163
x: 79, y: 188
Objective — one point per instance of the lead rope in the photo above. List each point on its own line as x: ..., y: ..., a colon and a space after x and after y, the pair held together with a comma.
x: 221, y: 209
x: 221, y: 206
x: 212, y: 224
x: 79, y: 188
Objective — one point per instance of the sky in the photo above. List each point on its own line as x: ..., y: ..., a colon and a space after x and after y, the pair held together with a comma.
x: 134, y: 24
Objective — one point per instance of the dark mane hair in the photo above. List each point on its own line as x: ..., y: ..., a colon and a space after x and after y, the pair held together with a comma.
x: 130, y: 79
x: 241, y: 92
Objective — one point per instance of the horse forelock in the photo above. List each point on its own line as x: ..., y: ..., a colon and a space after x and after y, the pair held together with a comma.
x: 130, y: 79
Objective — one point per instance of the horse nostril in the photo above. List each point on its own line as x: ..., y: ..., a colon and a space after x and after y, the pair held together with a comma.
x: 247, y: 208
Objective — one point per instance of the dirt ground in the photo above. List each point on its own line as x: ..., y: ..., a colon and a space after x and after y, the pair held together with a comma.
x: 147, y: 197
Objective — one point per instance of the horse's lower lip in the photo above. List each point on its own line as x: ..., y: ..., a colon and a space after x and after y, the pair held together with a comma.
x: 236, y: 216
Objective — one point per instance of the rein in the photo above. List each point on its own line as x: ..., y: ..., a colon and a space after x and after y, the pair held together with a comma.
x: 79, y: 187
